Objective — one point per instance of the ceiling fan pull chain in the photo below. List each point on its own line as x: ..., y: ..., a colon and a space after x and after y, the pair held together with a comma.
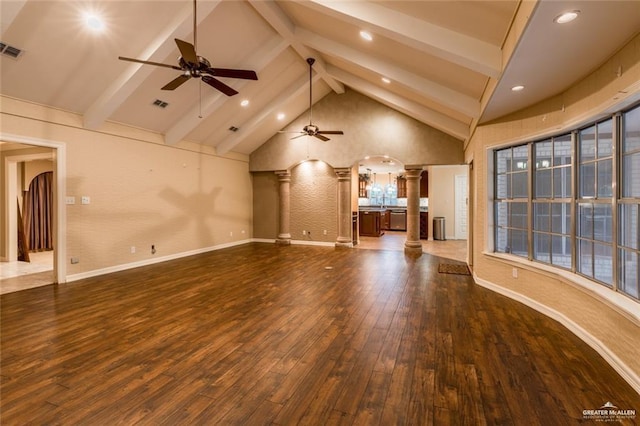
x: 200, y: 106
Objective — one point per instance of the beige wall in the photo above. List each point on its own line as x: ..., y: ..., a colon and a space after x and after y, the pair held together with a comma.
x: 266, y: 207
x: 370, y: 129
x: 580, y: 306
x: 442, y: 191
x: 180, y: 199
x: 34, y: 168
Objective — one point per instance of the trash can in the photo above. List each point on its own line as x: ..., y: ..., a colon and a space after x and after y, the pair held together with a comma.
x: 438, y: 228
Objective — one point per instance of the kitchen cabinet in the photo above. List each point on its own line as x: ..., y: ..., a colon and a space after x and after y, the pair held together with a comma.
x: 386, y: 220
x: 424, y: 225
x: 371, y: 223
x: 362, y: 186
x: 424, y: 184
x: 354, y: 228
x: 401, y: 184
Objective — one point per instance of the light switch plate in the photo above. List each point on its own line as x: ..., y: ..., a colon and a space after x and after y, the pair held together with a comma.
x: 70, y: 200
x: 86, y: 199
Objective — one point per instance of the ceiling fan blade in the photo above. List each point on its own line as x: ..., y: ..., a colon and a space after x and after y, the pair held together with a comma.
x: 176, y: 82
x: 157, y: 64
x: 330, y: 132
x: 231, y: 73
x: 217, y: 84
x: 299, y: 136
x: 187, y: 51
x: 322, y: 138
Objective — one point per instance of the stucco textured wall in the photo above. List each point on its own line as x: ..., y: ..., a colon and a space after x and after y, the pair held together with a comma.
x: 370, y: 128
x: 314, y: 201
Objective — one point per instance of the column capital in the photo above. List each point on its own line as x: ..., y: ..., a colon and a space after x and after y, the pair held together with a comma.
x: 413, y: 173
x: 283, y: 174
x: 343, y: 172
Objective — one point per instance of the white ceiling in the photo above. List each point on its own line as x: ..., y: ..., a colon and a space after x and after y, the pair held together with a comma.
x: 439, y: 56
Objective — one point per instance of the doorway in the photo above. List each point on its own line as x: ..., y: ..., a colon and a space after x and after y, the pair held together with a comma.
x: 16, y: 150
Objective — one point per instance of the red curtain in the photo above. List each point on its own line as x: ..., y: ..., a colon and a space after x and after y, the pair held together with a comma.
x: 38, y: 212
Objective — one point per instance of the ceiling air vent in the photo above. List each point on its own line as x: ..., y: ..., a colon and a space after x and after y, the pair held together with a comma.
x: 161, y: 104
x: 10, y: 51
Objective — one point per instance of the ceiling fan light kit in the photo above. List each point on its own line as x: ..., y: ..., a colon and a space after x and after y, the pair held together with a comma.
x: 194, y: 66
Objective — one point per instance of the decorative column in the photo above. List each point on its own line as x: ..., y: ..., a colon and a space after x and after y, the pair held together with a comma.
x: 344, y: 207
x: 413, y: 245
x: 284, y: 236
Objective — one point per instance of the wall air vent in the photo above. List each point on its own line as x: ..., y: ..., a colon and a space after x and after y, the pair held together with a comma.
x: 161, y: 104
x: 10, y: 51
x: 233, y: 128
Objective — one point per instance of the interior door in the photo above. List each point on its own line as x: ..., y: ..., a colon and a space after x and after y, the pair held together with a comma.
x: 461, y: 198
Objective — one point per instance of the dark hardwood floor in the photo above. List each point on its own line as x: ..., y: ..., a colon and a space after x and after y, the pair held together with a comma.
x: 261, y: 334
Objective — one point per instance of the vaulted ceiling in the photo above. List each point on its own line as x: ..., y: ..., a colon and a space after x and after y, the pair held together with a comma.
x: 445, y: 61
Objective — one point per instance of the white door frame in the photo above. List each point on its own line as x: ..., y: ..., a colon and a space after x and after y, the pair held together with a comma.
x: 458, y: 179
x: 59, y: 191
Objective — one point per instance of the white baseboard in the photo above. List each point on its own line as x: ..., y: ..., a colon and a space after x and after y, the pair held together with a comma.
x: 151, y: 261
x: 623, y: 369
x: 313, y: 243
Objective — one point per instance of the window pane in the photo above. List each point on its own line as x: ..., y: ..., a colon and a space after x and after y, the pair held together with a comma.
x: 562, y: 182
x: 585, y: 257
x: 631, y: 124
x: 543, y: 183
x: 519, y: 182
x: 631, y: 175
x: 628, y: 234
x: 561, y: 251
x: 518, y: 217
x: 519, y: 242
x: 605, y: 138
x: 562, y: 150
x: 543, y: 154
x: 561, y: 218
x: 587, y: 144
x: 502, y: 218
x: 520, y: 157
x: 541, y: 217
x: 603, y: 263
x: 503, y: 162
x: 587, y: 180
x: 629, y: 273
x: 602, y: 224
x: 604, y: 178
x: 501, y: 183
x: 541, y: 249
x: 502, y: 242
x: 585, y: 220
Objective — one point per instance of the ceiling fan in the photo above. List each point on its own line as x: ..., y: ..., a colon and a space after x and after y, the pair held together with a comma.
x: 311, y: 129
x: 193, y: 65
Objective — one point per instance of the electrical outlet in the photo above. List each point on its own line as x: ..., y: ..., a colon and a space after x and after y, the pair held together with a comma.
x: 325, y: 232
x: 304, y: 232
x: 514, y: 272
x: 133, y: 249
x: 75, y: 260
x: 231, y: 233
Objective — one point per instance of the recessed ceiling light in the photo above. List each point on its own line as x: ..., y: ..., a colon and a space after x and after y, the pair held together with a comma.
x: 93, y: 22
x: 566, y: 17
x: 280, y: 116
x: 244, y: 103
x: 365, y: 35
x: 386, y: 80
x: 517, y: 88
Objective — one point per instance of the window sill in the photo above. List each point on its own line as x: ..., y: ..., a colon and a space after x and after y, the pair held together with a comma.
x: 623, y: 304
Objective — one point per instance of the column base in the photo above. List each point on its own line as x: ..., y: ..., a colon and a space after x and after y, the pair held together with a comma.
x: 413, y: 247
x: 283, y: 242
x: 345, y: 245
